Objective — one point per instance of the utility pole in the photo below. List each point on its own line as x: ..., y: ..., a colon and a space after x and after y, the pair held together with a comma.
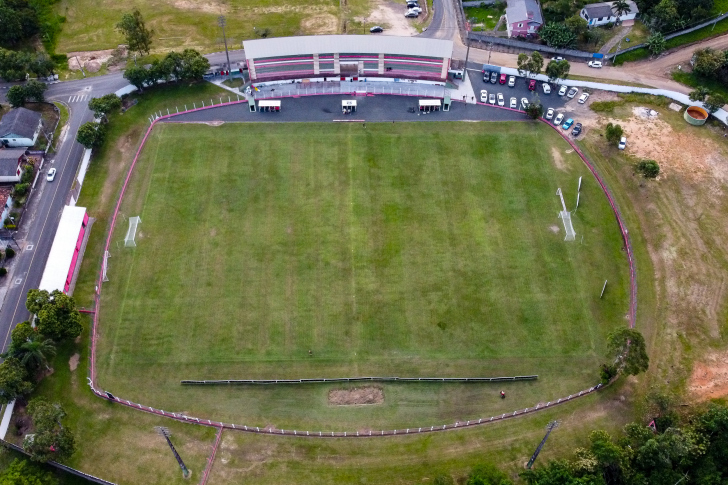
x: 549, y: 428
x: 166, y: 433
x: 221, y: 22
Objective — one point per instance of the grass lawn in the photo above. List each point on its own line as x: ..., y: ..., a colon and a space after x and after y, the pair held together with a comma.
x: 380, y: 258
x: 185, y: 24
x: 488, y: 15
x: 696, y: 80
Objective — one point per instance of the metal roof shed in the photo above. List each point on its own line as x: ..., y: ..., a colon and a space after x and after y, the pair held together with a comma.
x: 63, y: 254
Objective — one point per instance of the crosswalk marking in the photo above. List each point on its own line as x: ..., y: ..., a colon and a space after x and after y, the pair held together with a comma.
x: 77, y: 98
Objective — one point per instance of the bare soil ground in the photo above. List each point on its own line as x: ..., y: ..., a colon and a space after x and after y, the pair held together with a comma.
x: 216, y: 7
x: 391, y: 16
x: 356, y: 396
x: 323, y: 23
x: 93, y: 60
x: 709, y: 379
x: 73, y: 361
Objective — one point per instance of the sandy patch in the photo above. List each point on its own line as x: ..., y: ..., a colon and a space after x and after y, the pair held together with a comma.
x: 73, y: 361
x: 216, y: 7
x: 391, y: 17
x: 312, y: 9
x: 558, y: 159
x: 93, y: 60
x: 709, y: 379
x: 357, y: 396
x: 213, y: 123
x: 554, y: 229
x: 321, y: 24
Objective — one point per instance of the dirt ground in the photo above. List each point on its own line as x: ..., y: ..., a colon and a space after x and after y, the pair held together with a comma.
x: 73, y: 361
x: 324, y: 23
x: 356, y: 396
x: 391, y: 16
x: 709, y: 379
x: 93, y: 60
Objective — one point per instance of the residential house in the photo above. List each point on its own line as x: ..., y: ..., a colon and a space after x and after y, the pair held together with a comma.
x: 20, y: 128
x: 523, y: 17
x: 6, y: 202
x: 603, y: 13
x: 10, y: 165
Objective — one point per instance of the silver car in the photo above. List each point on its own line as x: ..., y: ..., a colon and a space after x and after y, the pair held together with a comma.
x: 514, y: 103
x: 491, y: 98
x: 572, y: 93
x: 501, y: 100
x: 559, y: 118
x: 562, y: 91
x: 550, y: 113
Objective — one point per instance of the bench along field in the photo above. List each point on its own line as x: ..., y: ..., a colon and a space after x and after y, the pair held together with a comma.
x: 322, y: 250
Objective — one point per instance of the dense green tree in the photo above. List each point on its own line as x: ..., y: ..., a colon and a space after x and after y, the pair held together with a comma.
x: 665, y: 17
x: 714, y: 102
x: 35, y: 353
x: 487, y: 474
x: 532, y: 64
x: 708, y: 61
x: 137, y: 76
x: 22, y: 333
x: 56, y: 313
x: 577, y: 25
x: 557, y: 34
x: 41, y: 65
x: 13, y: 65
x: 36, y: 300
x: 19, y: 21
x: 535, y: 109
x: 193, y: 65
x: 16, y: 96
x: 627, y: 347
x: 35, y: 90
x: 656, y: 43
x: 91, y: 134
x: 52, y: 440
x: 699, y: 94
x: 13, y: 380
x: 649, y: 168
x: 23, y: 472
x: 613, y: 133
x: 620, y: 7
x: 557, y: 70
x: 104, y: 105
x: 138, y: 37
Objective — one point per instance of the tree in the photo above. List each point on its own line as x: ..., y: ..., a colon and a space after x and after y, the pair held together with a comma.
x: 536, y: 64
x: 56, y: 313
x: 13, y: 65
x: 557, y: 35
x: 52, y: 440
x: 23, y: 472
x: 35, y: 90
x: 577, y: 25
x: 714, y: 102
x: 91, y: 134
x: 613, y: 133
x: 620, y: 7
x: 530, y: 64
x: 23, y: 332
x: 656, y: 43
x: 707, y: 62
x: 34, y: 353
x: 665, y: 17
x: 193, y: 65
x: 649, y: 168
x: 17, y: 96
x: 487, y: 475
x: 138, y: 37
x: 137, y: 76
x: 104, y: 105
x: 41, y: 65
x: 627, y: 347
x: 13, y: 380
x: 535, y: 109
x: 556, y: 70
x: 699, y: 94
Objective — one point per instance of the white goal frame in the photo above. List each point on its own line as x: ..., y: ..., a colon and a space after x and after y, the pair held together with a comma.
x: 129, y: 241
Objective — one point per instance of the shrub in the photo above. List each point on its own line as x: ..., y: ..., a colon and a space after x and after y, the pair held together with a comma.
x: 21, y: 189
x: 605, y: 106
x: 607, y: 372
x: 9, y: 252
x: 3, y: 272
x: 648, y: 168
x: 613, y: 133
x: 28, y: 174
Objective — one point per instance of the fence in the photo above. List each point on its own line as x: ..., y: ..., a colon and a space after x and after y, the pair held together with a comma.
x: 360, y: 379
x: 362, y: 88
x: 527, y: 46
x: 211, y: 458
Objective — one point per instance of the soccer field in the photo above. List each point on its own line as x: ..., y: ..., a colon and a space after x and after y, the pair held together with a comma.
x: 409, y: 249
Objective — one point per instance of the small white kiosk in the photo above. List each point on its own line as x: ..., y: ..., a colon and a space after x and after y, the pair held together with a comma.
x: 269, y: 105
x: 348, y: 106
x: 427, y: 105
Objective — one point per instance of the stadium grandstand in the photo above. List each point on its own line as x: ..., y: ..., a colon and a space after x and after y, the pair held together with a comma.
x: 347, y: 58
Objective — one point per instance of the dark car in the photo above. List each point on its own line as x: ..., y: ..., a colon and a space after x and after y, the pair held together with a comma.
x: 494, y: 77
x: 376, y: 29
x: 532, y: 85
x: 486, y: 76
x: 503, y: 78
x: 577, y: 130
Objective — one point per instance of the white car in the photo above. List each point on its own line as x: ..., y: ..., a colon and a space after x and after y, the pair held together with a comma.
x: 416, y: 10
x: 558, y: 58
x: 572, y: 92
x: 501, y: 100
x: 546, y: 88
x: 51, y: 175
x: 595, y: 64
x: 524, y: 103
x: 583, y: 98
x: 550, y: 113
x: 483, y: 96
x: 514, y: 103
x: 559, y: 118
x: 622, y: 143
x: 562, y: 90
x: 511, y: 81
x: 491, y: 98
x: 411, y: 15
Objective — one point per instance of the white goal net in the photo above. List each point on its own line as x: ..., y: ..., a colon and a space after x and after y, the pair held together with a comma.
x: 131, y: 233
x: 568, y: 226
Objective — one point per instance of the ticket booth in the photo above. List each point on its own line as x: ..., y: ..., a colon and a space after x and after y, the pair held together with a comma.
x: 446, y: 104
x: 348, y: 106
x: 269, y: 105
x: 429, y: 105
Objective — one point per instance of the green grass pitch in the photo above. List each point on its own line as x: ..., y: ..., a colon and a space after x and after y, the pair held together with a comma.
x: 420, y: 249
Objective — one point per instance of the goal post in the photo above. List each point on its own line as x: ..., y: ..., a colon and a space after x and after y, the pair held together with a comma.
x: 129, y: 240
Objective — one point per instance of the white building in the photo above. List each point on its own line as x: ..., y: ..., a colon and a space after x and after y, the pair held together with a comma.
x: 603, y: 13
x: 65, y: 251
x: 20, y: 128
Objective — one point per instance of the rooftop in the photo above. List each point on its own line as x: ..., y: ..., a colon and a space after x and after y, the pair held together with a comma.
x: 606, y: 9
x: 524, y: 10
x: 9, y: 161
x: 4, y: 196
x: 19, y: 121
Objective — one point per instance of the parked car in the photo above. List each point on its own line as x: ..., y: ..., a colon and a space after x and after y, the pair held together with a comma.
x: 532, y: 85
x: 514, y: 103
x: 494, y: 77
x: 622, y: 143
x: 491, y: 98
x: 411, y: 4
x: 558, y: 58
x: 483, y: 96
x: 546, y: 88
x: 524, y: 103
x: 583, y: 98
x: 51, y: 175
x: 376, y: 29
x: 411, y: 15
x: 562, y: 91
x: 501, y: 100
x: 572, y: 92
x: 503, y: 78
x: 567, y: 124
x: 486, y: 76
x: 511, y: 81
x: 577, y: 130
x: 550, y: 113
x: 417, y: 10
x: 595, y: 64
x: 559, y: 119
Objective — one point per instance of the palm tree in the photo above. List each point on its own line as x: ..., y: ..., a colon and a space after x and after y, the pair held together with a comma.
x: 35, y: 353
x: 620, y: 7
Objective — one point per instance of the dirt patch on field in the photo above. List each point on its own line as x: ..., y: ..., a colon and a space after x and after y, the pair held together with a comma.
x: 93, y: 60
x: 206, y: 7
x: 73, y: 361
x: 312, y: 9
x: 558, y: 159
x: 321, y: 24
x: 391, y: 17
x: 554, y: 229
x: 356, y: 397
x: 709, y: 379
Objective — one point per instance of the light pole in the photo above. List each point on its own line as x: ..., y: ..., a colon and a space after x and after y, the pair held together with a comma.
x: 166, y: 433
x: 549, y: 427
x: 221, y: 22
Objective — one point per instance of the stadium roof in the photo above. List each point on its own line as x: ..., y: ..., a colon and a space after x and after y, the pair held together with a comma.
x: 351, y: 44
x: 63, y: 249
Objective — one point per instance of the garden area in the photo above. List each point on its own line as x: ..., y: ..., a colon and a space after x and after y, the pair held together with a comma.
x: 486, y: 17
